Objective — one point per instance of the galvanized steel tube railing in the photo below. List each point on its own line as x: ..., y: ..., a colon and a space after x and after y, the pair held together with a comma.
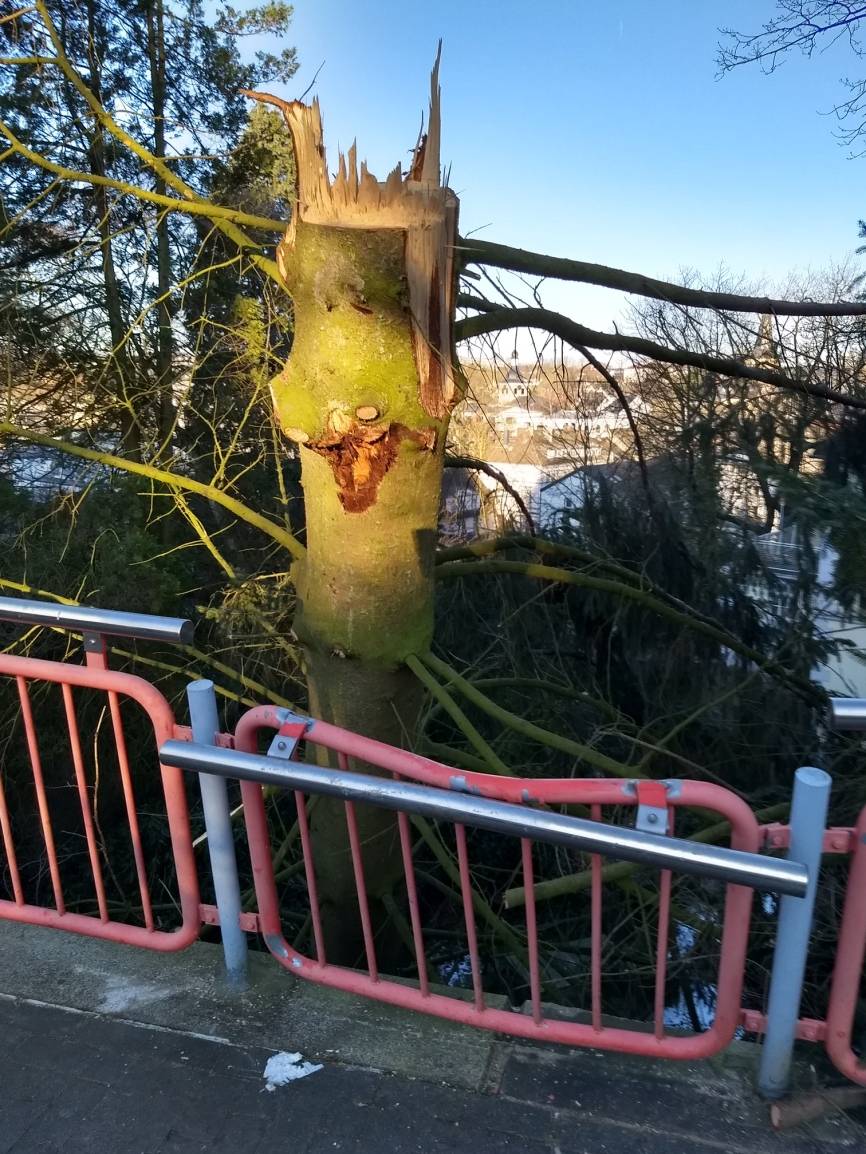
x: 204, y: 724
x: 848, y: 713
x: 727, y: 865
x: 82, y: 619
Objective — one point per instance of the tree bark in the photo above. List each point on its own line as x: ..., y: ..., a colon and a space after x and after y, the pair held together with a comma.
x: 367, y: 394
x: 123, y: 371
x: 165, y: 337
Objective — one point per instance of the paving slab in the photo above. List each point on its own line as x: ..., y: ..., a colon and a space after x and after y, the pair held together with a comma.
x: 693, y: 1105
x: 112, y: 1049
x: 187, y: 991
x: 76, y: 1082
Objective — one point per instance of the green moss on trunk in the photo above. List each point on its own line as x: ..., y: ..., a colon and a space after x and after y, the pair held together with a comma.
x: 367, y: 394
x: 353, y: 345
x: 372, y: 473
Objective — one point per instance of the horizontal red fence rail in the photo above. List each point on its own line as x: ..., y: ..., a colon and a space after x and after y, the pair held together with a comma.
x: 27, y: 675
x: 594, y: 793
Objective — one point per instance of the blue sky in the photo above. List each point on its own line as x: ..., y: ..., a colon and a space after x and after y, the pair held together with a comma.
x: 598, y: 129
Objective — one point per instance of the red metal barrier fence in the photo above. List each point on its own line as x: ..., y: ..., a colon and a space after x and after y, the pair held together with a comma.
x: 43, y: 685
x: 600, y: 796
x: 48, y: 687
x: 836, y: 1028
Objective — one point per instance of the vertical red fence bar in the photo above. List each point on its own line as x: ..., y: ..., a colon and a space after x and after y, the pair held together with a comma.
x: 131, y: 812
x: 258, y: 838
x: 662, y: 953
x: 531, y: 929
x: 360, y: 882
x: 414, y: 908
x: 41, y: 798
x: 9, y: 846
x: 595, y: 930
x: 310, y: 874
x: 665, y: 880
x: 84, y: 801
x: 848, y: 970
x: 361, y: 886
x: 469, y: 915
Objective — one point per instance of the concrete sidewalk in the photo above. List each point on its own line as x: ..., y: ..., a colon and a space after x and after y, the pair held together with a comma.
x: 116, y: 1050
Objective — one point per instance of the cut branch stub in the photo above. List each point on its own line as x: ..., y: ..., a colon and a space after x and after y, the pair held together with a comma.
x: 370, y: 265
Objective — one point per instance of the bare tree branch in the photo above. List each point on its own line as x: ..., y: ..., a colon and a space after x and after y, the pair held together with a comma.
x: 458, y: 569
x: 561, y: 268
x: 164, y: 477
x: 172, y: 180
x: 629, y: 416
x: 799, y: 24
x: 195, y: 207
x: 455, y: 462
x: 579, y: 336
x: 806, y: 27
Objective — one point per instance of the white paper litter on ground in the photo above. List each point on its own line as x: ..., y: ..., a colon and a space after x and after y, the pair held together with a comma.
x: 283, y: 1068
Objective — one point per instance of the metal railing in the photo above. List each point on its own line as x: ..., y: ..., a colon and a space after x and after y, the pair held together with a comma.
x: 416, y: 789
x: 519, y: 807
x: 845, y: 987
x: 81, y: 619
x: 65, y: 773
x: 809, y: 841
x: 733, y: 867
x: 848, y: 713
x: 112, y: 768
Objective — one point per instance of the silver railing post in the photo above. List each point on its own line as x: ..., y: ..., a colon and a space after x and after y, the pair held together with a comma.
x: 220, y: 840
x: 808, y: 819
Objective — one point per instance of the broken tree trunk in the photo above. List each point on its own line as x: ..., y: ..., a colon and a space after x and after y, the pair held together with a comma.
x: 366, y: 393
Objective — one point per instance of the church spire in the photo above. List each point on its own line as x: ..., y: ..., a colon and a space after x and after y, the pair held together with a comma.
x: 514, y: 375
x: 765, y: 351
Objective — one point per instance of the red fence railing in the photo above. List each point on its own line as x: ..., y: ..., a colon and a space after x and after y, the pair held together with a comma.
x: 51, y: 803
x: 848, y: 972
x: 63, y: 782
x: 601, y: 797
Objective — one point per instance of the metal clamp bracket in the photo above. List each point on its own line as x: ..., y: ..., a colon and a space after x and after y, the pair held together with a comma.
x: 652, y: 807
x: 285, y: 742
